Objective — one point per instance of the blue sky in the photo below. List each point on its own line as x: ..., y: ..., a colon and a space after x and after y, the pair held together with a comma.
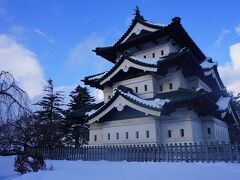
x: 58, y: 35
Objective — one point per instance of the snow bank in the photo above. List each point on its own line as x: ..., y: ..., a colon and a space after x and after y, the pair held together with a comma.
x: 7, y: 167
x: 102, y: 170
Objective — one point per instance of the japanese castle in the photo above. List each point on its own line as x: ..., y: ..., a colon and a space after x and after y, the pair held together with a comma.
x: 161, y: 89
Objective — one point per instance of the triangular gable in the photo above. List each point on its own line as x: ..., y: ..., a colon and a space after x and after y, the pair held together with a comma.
x: 123, y: 97
x: 119, y: 103
x: 136, y: 30
x: 138, y: 25
x: 124, y: 66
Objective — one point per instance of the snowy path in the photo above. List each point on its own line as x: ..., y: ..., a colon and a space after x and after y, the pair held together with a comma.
x: 68, y: 170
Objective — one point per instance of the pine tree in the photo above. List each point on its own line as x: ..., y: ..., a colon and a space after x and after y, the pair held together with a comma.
x: 234, y: 129
x: 80, y: 99
x: 78, y: 129
x: 51, y: 116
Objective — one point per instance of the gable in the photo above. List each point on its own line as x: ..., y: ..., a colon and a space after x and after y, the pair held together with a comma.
x: 125, y: 65
x: 126, y: 113
x: 137, y: 29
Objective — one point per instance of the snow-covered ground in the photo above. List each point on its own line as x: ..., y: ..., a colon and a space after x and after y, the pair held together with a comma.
x: 126, y: 171
x: 6, y: 167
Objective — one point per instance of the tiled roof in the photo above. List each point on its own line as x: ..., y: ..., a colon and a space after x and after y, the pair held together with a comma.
x: 127, y: 93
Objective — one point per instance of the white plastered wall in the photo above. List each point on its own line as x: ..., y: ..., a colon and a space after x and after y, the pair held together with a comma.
x: 122, y: 127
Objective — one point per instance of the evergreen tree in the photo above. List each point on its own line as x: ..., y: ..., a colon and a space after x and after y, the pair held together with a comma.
x: 80, y: 101
x: 234, y: 129
x: 51, y: 116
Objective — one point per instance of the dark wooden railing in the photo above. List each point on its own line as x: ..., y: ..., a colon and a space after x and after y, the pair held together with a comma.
x: 211, y: 152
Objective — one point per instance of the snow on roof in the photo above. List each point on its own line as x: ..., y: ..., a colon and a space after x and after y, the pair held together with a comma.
x: 152, y: 61
x: 155, y: 24
x: 99, y: 76
x: 207, y: 64
x: 156, y: 103
x: 90, y: 112
x: 223, y: 103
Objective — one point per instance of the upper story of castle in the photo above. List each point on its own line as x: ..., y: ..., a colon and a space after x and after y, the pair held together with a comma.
x: 153, y: 58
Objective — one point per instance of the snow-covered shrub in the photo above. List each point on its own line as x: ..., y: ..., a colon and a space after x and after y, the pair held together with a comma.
x: 29, y: 163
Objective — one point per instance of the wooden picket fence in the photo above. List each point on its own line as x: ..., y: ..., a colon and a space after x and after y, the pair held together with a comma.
x: 208, y: 152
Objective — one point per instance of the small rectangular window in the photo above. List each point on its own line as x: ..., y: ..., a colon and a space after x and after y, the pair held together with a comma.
x: 126, y: 135
x: 117, y: 136
x: 153, y: 55
x: 182, y: 132
x: 170, y: 86
x: 136, y: 89
x: 137, y: 134
x: 161, y: 89
x: 147, y: 134
x: 145, y: 87
x: 169, y: 133
x: 209, y: 130
x: 95, y: 137
x: 144, y: 57
x: 162, y: 52
x: 108, y: 136
x: 109, y: 97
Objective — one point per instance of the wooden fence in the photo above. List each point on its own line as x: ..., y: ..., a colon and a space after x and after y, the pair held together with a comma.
x: 212, y: 152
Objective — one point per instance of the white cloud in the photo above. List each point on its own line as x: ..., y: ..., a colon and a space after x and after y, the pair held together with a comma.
x: 98, y: 94
x: 22, y: 63
x: 17, y: 30
x: 221, y: 37
x: 230, y: 72
x: 44, y: 35
x: 86, y: 62
x: 237, y: 29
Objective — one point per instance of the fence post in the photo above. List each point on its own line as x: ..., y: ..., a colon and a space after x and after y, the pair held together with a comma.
x: 218, y: 152
x: 191, y: 152
x: 120, y: 152
x: 236, y: 151
x: 145, y: 153
x: 185, y: 151
x: 196, y: 152
x: 123, y: 152
x: 158, y: 153
x: 206, y: 149
x: 212, y: 157
x: 230, y: 152
x: 181, y: 152
x: 101, y: 153
x: 167, y: 152
x: 141, y: 153
x: 137, y: 155
x: 163, y: 152
x: 134, y: 153
x: 154, y: 153
x: 130, y: 150
x: 224, y: 151
x: 149, y: 156
x: 115, y: 153
x: 201, y: 152
x: 176, y: 152
x: 171, y: 152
